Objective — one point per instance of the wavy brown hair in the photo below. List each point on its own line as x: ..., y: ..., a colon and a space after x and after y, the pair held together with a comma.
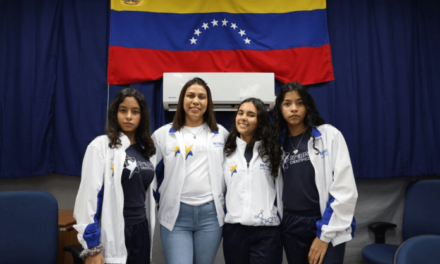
x: 262, y: 132
x: 113, y: 129
x: 312, y: 118
x: 208, y: 116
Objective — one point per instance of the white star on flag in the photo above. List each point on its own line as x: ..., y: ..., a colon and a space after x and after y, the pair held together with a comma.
x: 214, y: 22
x: 248, y: 41
x: 197, y: 32
x: 224, y: 22
x: 205, y: 26
x: 233, y: 25
x: 242, y: 32
x: 193, y: 40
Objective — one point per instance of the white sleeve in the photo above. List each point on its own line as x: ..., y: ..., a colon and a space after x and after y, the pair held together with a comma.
x: 157, y: 157
x: 339, y: 212
x: 88, y: 204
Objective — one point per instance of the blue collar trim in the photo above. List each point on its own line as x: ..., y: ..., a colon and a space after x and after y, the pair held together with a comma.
x: 315, y: 132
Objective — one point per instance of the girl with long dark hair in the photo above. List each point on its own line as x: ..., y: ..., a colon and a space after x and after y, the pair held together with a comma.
x: 319, y: 193
x: 191, y: 193
x: 251, y: 233
x: 114, y: 208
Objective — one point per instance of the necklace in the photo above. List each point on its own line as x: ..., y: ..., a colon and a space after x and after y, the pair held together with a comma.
x: 295, y: 150
x: 196, y: 134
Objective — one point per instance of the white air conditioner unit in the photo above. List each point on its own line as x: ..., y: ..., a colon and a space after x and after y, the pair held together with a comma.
x: 228, y: 89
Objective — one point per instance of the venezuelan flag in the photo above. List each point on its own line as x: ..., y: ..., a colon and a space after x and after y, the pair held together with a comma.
x: 150, y: 37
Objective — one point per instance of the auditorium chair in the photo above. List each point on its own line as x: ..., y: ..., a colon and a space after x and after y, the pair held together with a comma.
x: 28, y: 227
x: 419, y: 249
x: 421, y: 216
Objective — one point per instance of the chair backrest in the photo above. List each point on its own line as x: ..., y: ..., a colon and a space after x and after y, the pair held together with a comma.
x: 422, y: 209
x: 28, y: 227
x: 419, y: 249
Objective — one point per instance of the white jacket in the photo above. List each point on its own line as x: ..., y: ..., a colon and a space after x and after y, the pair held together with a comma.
x: 251, y: 193
x: 100, y: 201
x: 169, y: 144
x: 335, y: 183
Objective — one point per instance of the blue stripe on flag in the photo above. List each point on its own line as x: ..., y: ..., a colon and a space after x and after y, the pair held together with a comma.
x: 173, y: 32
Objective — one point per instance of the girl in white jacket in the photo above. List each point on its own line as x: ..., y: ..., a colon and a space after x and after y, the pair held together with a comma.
x: 319, y: 193
x: 114, y: 208
x: 190, y: 192
x: 251, y: 233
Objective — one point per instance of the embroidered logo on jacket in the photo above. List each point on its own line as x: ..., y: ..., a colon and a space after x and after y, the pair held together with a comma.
x: 233, y: 169
x: 113, y: 169
x: 176, y: 150
x: 218, y: 144
x: 264, y: 166
x: 324, y: 153
x: 266, y: 221
x: 188, y: 151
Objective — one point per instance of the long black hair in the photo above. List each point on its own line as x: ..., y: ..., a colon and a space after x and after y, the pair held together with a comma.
x: 312, y: 118
x: 208, y: 116
x: 113, y: 129
x: 262, y: 132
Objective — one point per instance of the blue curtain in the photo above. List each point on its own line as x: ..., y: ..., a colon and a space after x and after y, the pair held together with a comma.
x: 53, y: 92
x: 29, y: 35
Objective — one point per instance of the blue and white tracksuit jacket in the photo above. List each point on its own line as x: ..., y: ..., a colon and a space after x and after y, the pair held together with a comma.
x: 251, y: 193
x: 170, y: 147
x: 335, y: 183
x: 100, y: 201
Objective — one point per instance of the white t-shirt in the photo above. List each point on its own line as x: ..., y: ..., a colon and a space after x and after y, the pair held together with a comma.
x: 196, y: 189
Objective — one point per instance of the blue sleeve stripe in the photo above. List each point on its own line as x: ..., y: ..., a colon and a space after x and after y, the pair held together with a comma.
x: 325, y: 218
x: 92, y: 233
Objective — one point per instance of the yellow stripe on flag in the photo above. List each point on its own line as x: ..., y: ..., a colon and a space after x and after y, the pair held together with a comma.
x: 214, y: 6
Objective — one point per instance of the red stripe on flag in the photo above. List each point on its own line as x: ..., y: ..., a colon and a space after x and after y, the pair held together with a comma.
x: 307, y: 65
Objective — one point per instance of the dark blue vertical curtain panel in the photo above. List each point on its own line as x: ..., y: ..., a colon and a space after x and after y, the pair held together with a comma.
x: 387, y: 75
x: 81, y: 92
x: 29, y: 35
x: 53, y: 92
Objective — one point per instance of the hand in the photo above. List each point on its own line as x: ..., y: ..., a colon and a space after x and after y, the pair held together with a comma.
x: 95, y: 259
x: 317, y: 251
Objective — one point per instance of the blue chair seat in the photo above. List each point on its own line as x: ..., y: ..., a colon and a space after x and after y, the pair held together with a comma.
x: 420, y: 249
x: 379, y: 253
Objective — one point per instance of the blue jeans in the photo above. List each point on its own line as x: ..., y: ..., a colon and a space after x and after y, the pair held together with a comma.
x: 195, y: 236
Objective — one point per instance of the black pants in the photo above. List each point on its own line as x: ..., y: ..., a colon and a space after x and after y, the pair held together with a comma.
x: 137, y: 242
x: 298, y: 233
x: 252, y: 244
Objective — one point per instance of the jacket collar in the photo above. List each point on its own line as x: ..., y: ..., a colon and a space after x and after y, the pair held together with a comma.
x: 124, y: 141
x: 315, y: 132
x: 241, y: 144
